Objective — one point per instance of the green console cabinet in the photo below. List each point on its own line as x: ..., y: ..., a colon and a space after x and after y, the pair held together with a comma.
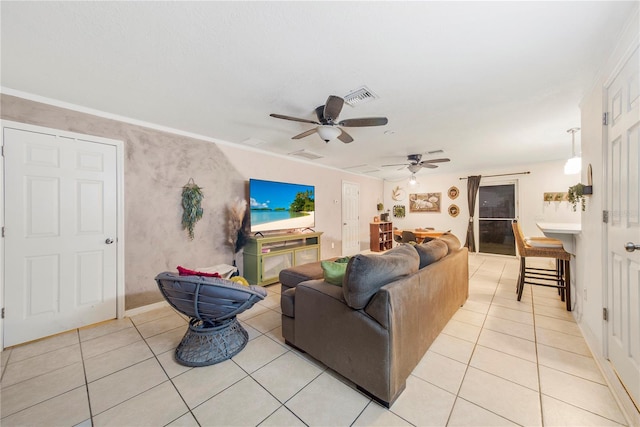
x: 264, y: 257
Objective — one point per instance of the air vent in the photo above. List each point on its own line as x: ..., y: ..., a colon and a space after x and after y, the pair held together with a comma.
x: 435, y: 152
x: 364, y: 168
x: 253, y: 142
x: 306, y: 154
x: 360, y: 96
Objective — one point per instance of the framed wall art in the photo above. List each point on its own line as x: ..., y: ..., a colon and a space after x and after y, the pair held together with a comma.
x: 454, y: 210
x: 399, y: 211
x: 425, y: 202
x: 453, y: 192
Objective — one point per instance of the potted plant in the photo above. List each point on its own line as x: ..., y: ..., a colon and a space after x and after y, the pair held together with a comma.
x: 577, y: 195
x: 380, y: 207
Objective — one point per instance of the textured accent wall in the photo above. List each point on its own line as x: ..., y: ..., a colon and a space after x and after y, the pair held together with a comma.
x: 157, y: 165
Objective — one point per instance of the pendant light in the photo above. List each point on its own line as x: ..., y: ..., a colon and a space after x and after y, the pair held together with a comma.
x: 574, y: 164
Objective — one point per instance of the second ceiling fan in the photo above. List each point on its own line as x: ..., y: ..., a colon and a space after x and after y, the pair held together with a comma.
x: 328, y: 122
x: 415, y: 163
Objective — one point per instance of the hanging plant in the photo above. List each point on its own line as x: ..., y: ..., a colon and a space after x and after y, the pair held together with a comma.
x: 238, y: 225
x: 576, y: 195
x: 191, y: 199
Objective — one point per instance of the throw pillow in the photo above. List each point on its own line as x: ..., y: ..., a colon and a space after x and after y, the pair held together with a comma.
x: 431, y: 251
x: 367, y: 273
x: 451, y: 240
x: 334, y: 270
x: 187, y: 272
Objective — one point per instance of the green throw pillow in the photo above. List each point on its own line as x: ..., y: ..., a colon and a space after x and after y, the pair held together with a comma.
x: 334, y: 270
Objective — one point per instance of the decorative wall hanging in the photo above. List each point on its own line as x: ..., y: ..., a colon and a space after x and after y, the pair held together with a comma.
x: 397, y: 194
x: 556, y: 197
x: 191, y: 199
x: 453, y: 192
x: 454, y: 210
x: 399, y: 211
x: 424, y: 202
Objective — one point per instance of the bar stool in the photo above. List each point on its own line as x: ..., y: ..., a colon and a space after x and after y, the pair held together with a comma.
x: 543, y: 247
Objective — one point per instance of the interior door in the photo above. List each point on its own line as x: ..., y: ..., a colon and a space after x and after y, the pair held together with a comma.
x: 350, y: 218
x: 623, y: 146
x: 497, y: 209
x: 60, y: 230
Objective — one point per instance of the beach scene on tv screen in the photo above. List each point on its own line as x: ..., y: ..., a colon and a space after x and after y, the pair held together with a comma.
x: 281, y: 206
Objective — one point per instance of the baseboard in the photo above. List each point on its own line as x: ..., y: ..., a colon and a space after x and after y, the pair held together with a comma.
x: 145, y: 308
x: 629, y: 410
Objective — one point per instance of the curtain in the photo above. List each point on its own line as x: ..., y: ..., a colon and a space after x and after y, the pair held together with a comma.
x: 473, y: 183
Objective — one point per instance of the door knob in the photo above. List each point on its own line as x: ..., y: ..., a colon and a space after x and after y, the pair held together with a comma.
x: 108, y: 241
x: 630, y: 247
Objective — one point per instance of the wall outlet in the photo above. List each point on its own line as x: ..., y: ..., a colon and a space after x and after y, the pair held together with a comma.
x: 333, y: 245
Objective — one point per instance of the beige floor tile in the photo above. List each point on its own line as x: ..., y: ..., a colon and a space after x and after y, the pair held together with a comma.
x: 466, y: 414
x: 120, y: 386
x: 579, y: 392
x: 464, y: 331
x: 148, y: 316
x: 38, y: 365
x: 170, y: 365
x: 510, y: 314
x: 452, y: 347
x: 264, y: 322
x: 559, y: 414
x: 166, y: 341
x: 282, y: 417
x: 327, y: 402
x: 74, y: 403
x: 558, y: 325
x: 509, y: 327
x: 4, y: 356
x: 559, y: 312
x: 36, y: 390
x: 276, y: 288
x: 523, y: 305
x: 200, y: 384
x: 569, y: 362
x: 252, y: 312
x: 44, y: 345
x: 441, y: 371
x: 509, y: 344
x: 468, y: 316
x: 477, y: 307
x: 85, y: 423
x: 479, y: 296
x: 110, y: 342
x: 115, y: 360
x: 422, y: 403
x: 272, y: 301
x: 503, y: 365
x: 230, y: 406
x: 258, y: 353
x: 159, y: 326
x: 376, y: 415
x: 286, y: 375
x: 562, y: 341
x: 155, y: 407
x: 276, y: 335
x: 104, y: 328
x: 253, y: 332
x: 505, y: 398
x: 186, y: 420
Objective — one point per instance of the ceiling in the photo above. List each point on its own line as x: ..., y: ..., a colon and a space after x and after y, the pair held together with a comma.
x: 489, y: 83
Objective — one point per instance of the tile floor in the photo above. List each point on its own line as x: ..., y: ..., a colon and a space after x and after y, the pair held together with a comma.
x: 497, y: 362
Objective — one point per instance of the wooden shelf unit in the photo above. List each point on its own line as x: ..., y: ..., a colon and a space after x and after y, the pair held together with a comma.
x: 380, y: 236
x: 264, y: 257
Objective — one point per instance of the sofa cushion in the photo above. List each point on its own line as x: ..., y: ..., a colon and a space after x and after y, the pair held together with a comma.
x: 367, y: 273
x: 431, y: 251
x: 451, y: 240
x: 287, y: 302
x: 334, y: 270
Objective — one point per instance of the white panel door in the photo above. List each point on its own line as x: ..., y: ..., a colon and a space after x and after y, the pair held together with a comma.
x: 623, y: 139
x: 61, y: 224
x: 350, y: 218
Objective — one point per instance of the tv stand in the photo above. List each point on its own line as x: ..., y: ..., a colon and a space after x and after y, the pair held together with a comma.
x: 265, y: 256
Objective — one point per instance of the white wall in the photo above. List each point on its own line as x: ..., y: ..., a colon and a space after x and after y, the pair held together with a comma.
x: 544, y: 177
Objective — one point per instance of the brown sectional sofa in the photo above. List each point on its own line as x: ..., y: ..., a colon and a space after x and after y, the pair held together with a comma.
x: 376, y: 328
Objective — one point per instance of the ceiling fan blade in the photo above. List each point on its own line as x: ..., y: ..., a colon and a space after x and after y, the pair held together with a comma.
x: 345, y: 137
x: 427, y: 165
x: 394, y: 164
x: 295, y: 119
x: 435, y: 161
x: 365, y: 121
x: 303, y: 134
x: 332, y: 107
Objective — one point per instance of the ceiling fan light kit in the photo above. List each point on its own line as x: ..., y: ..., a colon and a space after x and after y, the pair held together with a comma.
x: 328, y: 133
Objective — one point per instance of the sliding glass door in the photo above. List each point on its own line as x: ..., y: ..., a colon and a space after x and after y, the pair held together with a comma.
x: 497, y: 206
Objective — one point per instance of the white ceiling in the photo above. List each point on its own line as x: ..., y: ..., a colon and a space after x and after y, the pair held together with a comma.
x: 490, y: 83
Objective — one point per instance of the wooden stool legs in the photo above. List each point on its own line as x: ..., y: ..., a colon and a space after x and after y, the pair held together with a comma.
x: 561, y: 276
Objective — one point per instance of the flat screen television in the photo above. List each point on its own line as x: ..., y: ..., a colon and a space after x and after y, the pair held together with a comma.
x: 281, y: 205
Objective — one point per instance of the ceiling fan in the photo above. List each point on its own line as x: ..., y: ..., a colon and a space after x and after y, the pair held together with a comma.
x: 327, y: 121
x: 415, y: 164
